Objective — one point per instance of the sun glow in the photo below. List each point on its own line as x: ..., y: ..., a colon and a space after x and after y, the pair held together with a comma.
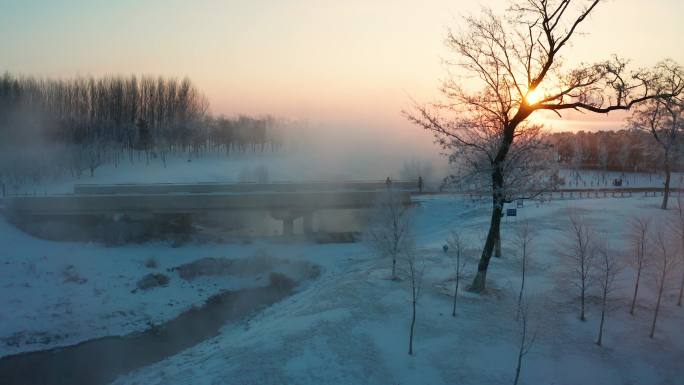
x: 535, y: 95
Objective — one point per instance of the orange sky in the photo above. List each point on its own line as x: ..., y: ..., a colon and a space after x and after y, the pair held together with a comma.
x: 336, y: 62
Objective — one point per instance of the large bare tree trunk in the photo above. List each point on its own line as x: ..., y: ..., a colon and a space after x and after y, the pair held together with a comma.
x: 497, y: 245
x: 458, y: 278
x: 666, y: 189
x: 413, y: 324
x: 478, y: 284
x: 479, y: 281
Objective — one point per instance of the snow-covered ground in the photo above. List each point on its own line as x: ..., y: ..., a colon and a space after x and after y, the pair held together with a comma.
x: 350, y: 325
x: 56, y: 294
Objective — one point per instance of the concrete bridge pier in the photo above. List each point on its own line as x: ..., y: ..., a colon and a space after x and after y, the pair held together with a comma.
x: 288, y: 226
x: 308, y: 223
x: 289, y: 216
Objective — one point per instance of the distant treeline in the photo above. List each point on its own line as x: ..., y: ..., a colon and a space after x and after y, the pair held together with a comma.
x: 52, y: 126
x: 623, y: 150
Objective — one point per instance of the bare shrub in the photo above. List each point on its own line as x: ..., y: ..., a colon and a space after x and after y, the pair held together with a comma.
x: 389, y: 233
x: 71, y: 275
x: 457, y: 244
x: 281, y: 281
x: 151, y: 263
x: 152, y: 280
x: 205, y: 267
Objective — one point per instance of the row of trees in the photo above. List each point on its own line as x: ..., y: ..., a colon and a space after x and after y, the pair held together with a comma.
x: 654, y: 252
x: 129, y: 111
x: 57, y: 126
x: 625, y: 150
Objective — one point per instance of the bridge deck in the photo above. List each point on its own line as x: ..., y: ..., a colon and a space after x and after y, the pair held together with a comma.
x: 199, y: 198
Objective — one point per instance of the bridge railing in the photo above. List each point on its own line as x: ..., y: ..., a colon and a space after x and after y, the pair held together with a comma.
x: 218, y: 187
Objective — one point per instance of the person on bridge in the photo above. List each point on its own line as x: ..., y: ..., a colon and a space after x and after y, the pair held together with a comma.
x: 388, y: 183
x: 420, y: 184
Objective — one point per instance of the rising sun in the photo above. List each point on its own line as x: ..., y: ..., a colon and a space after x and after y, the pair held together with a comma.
x: 535, y: 95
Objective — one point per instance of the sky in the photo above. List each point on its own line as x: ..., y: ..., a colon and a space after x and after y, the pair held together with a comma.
x: 352, y: 64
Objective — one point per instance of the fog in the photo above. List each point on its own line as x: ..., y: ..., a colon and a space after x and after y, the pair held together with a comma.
x: 325, y: 151
x: 320, y: 152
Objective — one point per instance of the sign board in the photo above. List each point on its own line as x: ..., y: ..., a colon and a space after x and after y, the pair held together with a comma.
x: 511, y: 212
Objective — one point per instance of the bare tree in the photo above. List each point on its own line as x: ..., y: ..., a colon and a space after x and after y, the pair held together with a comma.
x: 603, y: 159
x: 664, y: 119
x: 524, y: 244
x: 516, y: 58
x: 577, y: 158
x: 608, y: 269
x: 415, y: 266
x: 663, y: 265
x: 526, y: 338
x: 457, y: 244
x: 389, y: 233
x: 638, y: 234
x: 623, y: 155
x: 580, y: 250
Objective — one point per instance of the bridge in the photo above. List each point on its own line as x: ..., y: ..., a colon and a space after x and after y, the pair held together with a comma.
x: 285, y: 201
